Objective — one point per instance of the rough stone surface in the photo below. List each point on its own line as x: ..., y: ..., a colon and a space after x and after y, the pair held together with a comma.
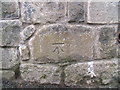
x: 76, y: 11
x: 9, y: 10
x: 107, y: 71
x: 118, y: 51
x: 7, y: 74
x: 24, y: 52
x: 10, y: 32
x: 59, y: 43
x: 75, y: 73
x: 8, y: 58
x: 105, y: 43
x: 28, y: 32
x: 102, y: 12
x: 43, y: 74
x: 92, y: 73
x: 42, y: 12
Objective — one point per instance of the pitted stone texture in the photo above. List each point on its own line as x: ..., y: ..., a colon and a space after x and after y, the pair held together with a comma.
x: 75, y: 73
x: 91, y: 74
x: 107, y: 71
x: 24, y: 52
x: 59, y: 43
x: 102, y: 12
x: 43, y: 74
x: 42, y: 12
x: 8, y: 58
x: 10, y: 32
x: 9, y: 10
x: 28, y: 32
x: 75, y: 12
x: 7, y: 74
x: 105, y: 43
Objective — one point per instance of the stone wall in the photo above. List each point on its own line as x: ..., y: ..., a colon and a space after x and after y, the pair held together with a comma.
x: 64, y: 43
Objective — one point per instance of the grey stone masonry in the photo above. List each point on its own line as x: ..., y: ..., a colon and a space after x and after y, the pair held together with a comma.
x: 60, y: 43
x: 105, y: 42
x: 102, y: 12
x: 67, y: 43
x: 9, y: 10
x: 7, y: 74
x: 28, y: 32
x: 76, y: 12
x: 42, y: 12
x: 92, y: 73
x: 10, y: 32
x: 44, y: 74
x: 9, y: 58
x: 24, y: 52
x: 118, y: 51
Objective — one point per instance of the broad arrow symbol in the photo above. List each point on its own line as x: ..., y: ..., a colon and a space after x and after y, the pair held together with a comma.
x: 58, y: 49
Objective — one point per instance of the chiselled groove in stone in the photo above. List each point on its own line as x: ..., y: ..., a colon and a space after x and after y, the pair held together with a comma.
x: 58, y: 49
x: 57, y: 43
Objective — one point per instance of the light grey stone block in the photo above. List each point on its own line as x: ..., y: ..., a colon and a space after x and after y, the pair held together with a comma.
x: 10, y: 32
x: 42, y: 12
x: 76, y: 12
x: 105, y: 42
x: 44, y: 74
x: 28, y: 32
x: 24, y: 52
x: 93, y: 73
x: 9, y: 10
x: 9, y: 58
x: 7, y: 74
x: 102, y: 12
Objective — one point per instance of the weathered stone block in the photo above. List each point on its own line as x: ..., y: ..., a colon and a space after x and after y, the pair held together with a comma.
x: 8, y: 58
x: 24, y: 52
x: 43, y: 74
x: 76, y: 11
x: 75, y: 73
x: 59, y: 43
x: 102, y: 12
x: 7, y: 74
x: 91, y: 74
x: 107, y: 71
x: 9, y: 10
x: 10, y: 32
x: 42, y: 12
x: 105, y: 43
x: 28, y: 32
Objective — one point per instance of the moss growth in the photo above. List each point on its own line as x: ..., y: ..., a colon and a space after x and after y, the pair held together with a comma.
x: 43, y: 76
